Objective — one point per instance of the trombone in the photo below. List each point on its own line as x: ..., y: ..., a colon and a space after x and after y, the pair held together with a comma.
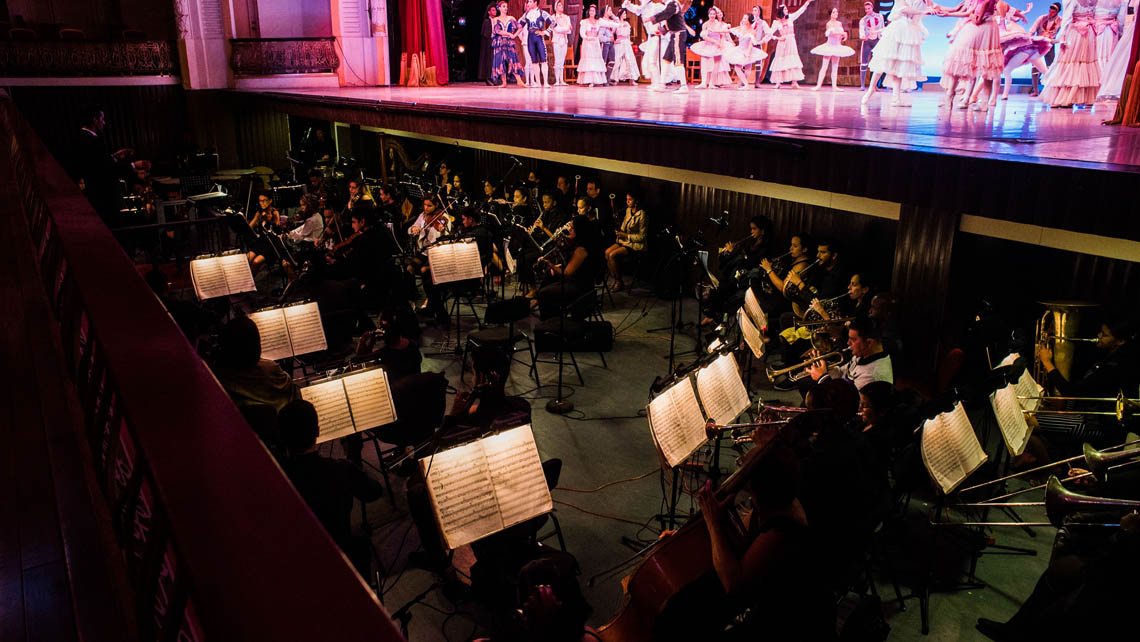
x: 1124, y: 408
x: 1098, y: 463
x: 1059, y: 504
x: 742, y: 432
x: 833, y: 359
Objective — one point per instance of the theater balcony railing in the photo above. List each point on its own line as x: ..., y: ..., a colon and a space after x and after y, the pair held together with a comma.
x: 216, y: 543
x: 278, y: 56
x: 64, y: 58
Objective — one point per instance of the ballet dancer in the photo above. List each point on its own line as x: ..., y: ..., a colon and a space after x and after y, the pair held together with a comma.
x: 560, y: 28
x: 747, y: 52
x: 1075, y: 77
x: 832, y: 50
x: 715, y: 42
x: 536, y: 21
x: 975, y: 52
x: 898, y: 55
x: 786, y: 64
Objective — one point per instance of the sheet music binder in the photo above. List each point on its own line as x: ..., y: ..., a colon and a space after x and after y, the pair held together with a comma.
x: 217, y: 276
x: 351, y: 403
x: 676, y: 422
x: 487, y: 485
x: 721, y: 390
x: 290, y: 331
x: 950, y: 450
x: 450, y: 262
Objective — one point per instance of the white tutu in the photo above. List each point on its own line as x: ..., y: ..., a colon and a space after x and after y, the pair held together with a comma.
x: 707, y: 49
x: 833, y: 48
x: 744, y: 53
x: 899, y: 53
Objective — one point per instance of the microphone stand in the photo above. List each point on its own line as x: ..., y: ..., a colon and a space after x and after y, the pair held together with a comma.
x: 559, y: 405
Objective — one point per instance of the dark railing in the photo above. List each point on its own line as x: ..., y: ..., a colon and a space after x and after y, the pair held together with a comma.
x: 268, y: 56
x: 217, y: 543
x: 32, y: 58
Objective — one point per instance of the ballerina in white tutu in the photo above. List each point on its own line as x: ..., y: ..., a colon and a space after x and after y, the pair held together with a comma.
x: 751, y: 35
x: 832, y: 50
x: 898, y: 56
x: 786, y: 64
x: 714, y: 43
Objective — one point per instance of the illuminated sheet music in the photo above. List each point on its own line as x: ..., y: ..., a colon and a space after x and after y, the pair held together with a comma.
x: 750, y: 333
x: 1025, y: 386
x: 333, y: 415
x: 753, y: 309
x: 454, y: 262
x: 209, y: 279
x: 1010, y: 419
x: 274, y: 335
x: 950, y: 449
x: 239, y: 276
x: 484, y: 486
x: 306, y: 334
x: 676, y: 422
x: 516, y: 471
x: 370, y: 399
x: 721, y: 390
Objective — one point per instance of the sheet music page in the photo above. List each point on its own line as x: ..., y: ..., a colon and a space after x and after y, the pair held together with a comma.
x: 306, y: 334
x: 370, y: 399
x: 966, y: 445
x: 676, y: 422
x: 750, y: 333
x: 239, y: 276
x: 1026, y: 386
x: 1010, y: 419
x: 752, y: 307
x: 274, y: 336
x: 462, y: 493
x: 516, y: 470
x: 331, y: 404
x: 722, y: 390
x: 950, y: 449
x: 454, y: 262
x: 209, y: 278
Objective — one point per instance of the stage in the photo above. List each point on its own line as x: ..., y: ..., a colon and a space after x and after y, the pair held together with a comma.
x: 1021, y: 129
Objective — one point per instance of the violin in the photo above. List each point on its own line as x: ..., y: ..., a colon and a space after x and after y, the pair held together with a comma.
x: 346, y: 242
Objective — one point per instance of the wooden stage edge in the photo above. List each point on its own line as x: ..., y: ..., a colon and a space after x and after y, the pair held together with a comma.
x: 1021, y: 130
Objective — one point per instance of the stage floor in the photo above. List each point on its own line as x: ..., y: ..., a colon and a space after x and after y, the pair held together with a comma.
x: 1020, y: 129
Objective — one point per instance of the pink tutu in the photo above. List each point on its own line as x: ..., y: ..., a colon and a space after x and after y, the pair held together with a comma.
x: 1023, y: 43
x: 976, y: 51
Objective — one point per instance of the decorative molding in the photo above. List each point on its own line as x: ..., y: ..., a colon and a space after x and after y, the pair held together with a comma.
x: 271, y: 56
x: 85, y: 58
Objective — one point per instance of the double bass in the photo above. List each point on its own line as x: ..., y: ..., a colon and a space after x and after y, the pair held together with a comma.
x: 676, y: 561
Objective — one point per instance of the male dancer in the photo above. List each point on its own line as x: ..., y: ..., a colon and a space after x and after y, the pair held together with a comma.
x: 758, y: 41
x: 536, y: 21
x: 651, y: 48
x: 1047, y: 26
x: 672, y: 17
x: 870, y: 27
x: 606, y: 40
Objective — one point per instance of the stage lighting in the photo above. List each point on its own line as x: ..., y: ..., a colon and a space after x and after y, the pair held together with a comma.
x: 462, y: 21
x: 462, y: 49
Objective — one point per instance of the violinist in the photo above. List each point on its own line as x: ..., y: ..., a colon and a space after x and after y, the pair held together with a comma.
x: 765, y: 560
x: 266, y: 220
x: 312, y: 223
x: 573, y: 276
x: 431, y: 224
x: 361, y: 254
x: 484, y: 239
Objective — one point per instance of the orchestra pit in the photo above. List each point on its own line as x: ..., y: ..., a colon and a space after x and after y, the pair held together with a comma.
x: 569, y: 321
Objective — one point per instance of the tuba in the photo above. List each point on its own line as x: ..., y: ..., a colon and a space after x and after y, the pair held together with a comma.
x: 1057, y: 329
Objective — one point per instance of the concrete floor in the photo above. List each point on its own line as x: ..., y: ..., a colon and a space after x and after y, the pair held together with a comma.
x: 605, y: 440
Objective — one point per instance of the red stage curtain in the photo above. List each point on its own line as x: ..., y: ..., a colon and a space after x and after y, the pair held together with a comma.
x: 1128, y: 109
x: 423, y: 60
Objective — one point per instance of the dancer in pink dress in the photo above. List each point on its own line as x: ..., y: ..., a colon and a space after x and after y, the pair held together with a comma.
x: 1075, y: 76
x: 975, y: 52
x: 832, y: 50
x: 750, y: 36
x: 715, y: 42
x: 786, y: 64
x: 1017, y: 46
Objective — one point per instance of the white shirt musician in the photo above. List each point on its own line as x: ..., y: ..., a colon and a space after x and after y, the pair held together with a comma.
x: 429, y: 225
x: 868, y: 363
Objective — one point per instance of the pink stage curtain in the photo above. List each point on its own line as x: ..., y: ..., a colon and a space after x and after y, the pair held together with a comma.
x: 423, y: 61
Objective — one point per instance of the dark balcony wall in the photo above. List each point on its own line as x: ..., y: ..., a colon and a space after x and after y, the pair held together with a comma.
x: 99, y: 19
x: 151, y: 119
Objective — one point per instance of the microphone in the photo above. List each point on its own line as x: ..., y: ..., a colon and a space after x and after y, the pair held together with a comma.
x: 516, y: 160
x: 722, y: 222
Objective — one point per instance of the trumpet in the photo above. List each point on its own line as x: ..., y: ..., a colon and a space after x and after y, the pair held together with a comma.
x: 812, y: 324
x: 832, y: 359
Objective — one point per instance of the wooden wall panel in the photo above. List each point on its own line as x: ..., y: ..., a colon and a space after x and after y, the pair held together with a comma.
x: 262, y: 138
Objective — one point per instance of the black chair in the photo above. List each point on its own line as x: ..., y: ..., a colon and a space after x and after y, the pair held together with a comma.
x: 508, y: 312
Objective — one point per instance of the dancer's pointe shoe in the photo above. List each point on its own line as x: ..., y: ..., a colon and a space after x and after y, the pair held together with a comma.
x: 816, y: 88
x: 795, y: 85
x: 865, y: 99
x: 895, y: 102
x: 657, y: 88
x: 683, y: 89
x: 834, y: 88
x: 742, y: 87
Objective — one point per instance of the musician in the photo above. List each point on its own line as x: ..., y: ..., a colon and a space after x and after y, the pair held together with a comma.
x: 316, y: 185
x: 868, y: 362
x: 827, y: 281
x: 431, y: 224
x: 265, y: 220
x: 323, y: 149
x: 774, y: 572
x: 328, y: 486
x: 631, y: 235
x: 603, y: 210
x: 443, y: 177
x: 564, y: 196
x: 1111, y: 373
x: 249, y: 379
x: 736, y: 257
x: 857, y: 303
x: 362, y: 253
x: 484, y: 238
x: 572, y: 278
x: 97, y: 167
x: 797, y: 262
x: 553, y: 216
x: 522, y: 246
x: 312, y: 223
x: 455, y: 192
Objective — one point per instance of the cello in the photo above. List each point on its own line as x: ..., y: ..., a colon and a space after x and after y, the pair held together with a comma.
x: 677, y: 561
